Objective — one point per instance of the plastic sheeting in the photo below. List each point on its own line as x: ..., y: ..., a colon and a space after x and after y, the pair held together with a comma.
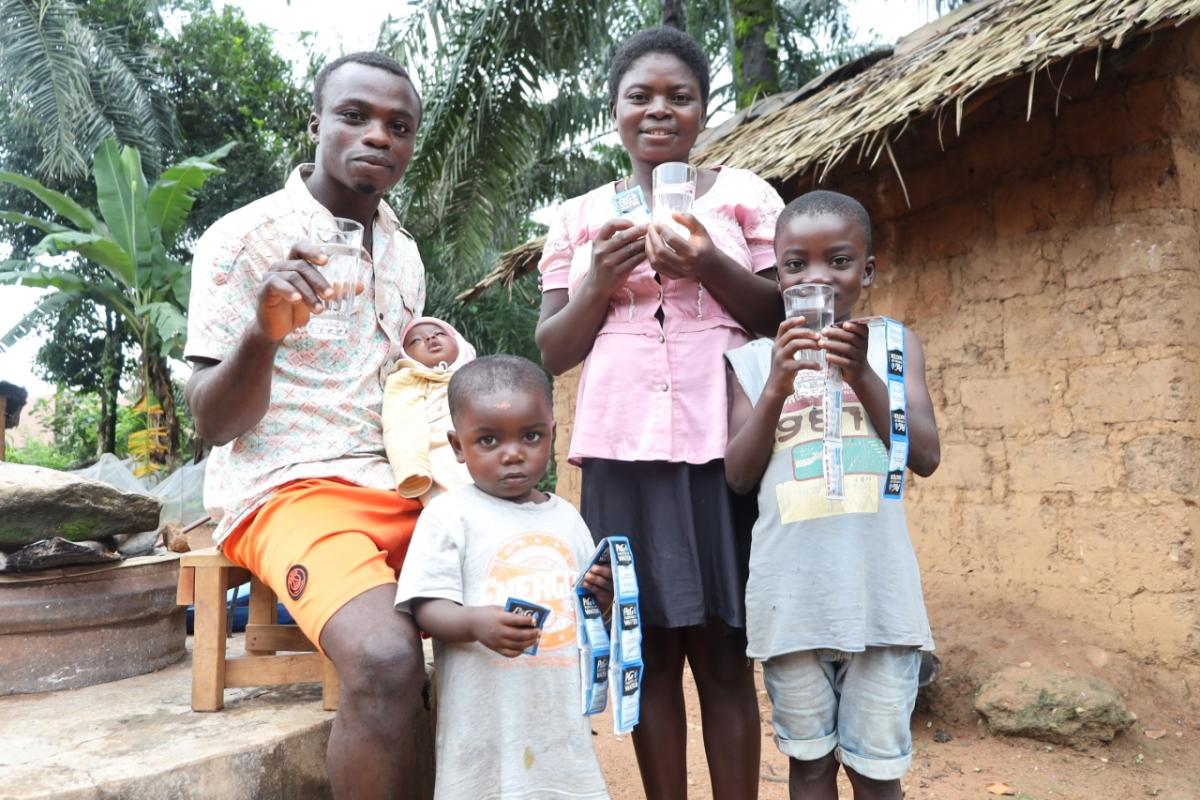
x: 181, y: 493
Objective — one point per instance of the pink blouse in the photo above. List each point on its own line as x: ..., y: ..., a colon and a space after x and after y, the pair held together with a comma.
x: 652, y: 392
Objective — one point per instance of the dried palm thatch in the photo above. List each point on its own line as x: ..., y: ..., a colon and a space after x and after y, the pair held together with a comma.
x: 941, y: 69
x: 935, y: 70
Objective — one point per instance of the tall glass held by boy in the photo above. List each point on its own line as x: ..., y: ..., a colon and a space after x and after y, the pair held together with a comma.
x: 814, y: 302
x: 341, y: 240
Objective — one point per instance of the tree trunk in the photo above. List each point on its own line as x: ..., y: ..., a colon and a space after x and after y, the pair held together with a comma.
x: 755, y: 49
x: 159, y: 373
x: 674, y: 14
x: 111, y: 365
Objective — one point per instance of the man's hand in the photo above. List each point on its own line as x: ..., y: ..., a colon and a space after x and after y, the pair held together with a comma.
x: 503, y: 631
x: 293, y: 290
x: 598, y: 580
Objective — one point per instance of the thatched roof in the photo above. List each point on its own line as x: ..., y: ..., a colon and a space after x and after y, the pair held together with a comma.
x: 857, y: 111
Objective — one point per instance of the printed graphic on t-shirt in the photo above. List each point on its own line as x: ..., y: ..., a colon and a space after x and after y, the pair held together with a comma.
x: 537, y: 567
x: 800, y: 431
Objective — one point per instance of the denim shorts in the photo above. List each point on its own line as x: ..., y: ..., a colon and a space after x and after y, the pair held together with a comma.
x: 856, y: 705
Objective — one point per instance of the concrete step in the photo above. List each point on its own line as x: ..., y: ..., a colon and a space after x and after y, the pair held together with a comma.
x: 138, y: 739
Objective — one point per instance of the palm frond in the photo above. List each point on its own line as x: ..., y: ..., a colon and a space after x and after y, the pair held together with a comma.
x: 485, y: 114
x: 76, y: 86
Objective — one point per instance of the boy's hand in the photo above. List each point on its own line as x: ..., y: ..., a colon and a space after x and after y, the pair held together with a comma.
x: 675, y: 257
x: 598, y: 580
x: 792, y: 338
x: 504, y: 632
x: 618, y: 248
x: 845, y: 346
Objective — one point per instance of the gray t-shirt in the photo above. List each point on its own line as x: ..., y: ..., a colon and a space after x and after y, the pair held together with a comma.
x: 507, y: 728
x: 837, y: 574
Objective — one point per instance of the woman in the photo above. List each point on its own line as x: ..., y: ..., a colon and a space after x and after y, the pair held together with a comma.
x: 651, y: 314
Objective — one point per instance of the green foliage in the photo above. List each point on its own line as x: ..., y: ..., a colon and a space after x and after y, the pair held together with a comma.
x: 142, y: 284
x: 227, y: 83
x: 73, y: 420
x: 72, y: 85
x: 38, y: 454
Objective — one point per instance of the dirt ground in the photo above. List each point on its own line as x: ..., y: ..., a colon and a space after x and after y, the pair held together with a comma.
x: 1158, y: 757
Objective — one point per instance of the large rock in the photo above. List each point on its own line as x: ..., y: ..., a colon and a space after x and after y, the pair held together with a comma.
x: 1064, y: 708
x: 37, y: 503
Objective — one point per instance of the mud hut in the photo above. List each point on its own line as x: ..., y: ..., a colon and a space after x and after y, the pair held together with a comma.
x: 1033, y: 171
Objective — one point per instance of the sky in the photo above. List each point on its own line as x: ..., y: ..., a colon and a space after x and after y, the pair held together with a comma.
x: 349, y: 25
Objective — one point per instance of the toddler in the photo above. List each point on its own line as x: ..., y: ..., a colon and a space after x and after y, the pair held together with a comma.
x: 509, y: 724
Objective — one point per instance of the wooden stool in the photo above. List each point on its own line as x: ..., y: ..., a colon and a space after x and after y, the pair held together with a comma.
x: 204, y: 578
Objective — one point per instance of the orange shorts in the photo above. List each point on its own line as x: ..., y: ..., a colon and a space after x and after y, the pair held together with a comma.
x: 321, y: 542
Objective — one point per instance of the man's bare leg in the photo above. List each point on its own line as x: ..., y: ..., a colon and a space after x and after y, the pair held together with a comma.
x: 380, y: 746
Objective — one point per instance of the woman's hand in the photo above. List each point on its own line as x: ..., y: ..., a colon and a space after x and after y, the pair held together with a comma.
x: 673, y: 256
x: 618, y: 248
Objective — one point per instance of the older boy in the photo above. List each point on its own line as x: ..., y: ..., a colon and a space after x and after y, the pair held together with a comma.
x: 833, y: 603
x: 298, y: 479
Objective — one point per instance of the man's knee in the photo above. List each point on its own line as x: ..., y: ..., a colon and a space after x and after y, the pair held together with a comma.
x: 388, y: 667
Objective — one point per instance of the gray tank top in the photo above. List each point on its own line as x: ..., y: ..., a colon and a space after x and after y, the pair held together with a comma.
x: 837, y: 574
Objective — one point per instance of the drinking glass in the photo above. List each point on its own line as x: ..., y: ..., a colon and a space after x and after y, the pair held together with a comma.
x: 674, y: 188
x: 340, y: 240
x: 814, y: 302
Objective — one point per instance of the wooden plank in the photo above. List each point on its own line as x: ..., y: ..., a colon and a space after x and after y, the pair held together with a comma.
x: 274, y: 670
x: 262, y: 612
x: 236, y: 576
x: 208, y: 652
x: 210, y: 557
x: 265, y: 640
x: 185, y: 592
x: 330, y: 688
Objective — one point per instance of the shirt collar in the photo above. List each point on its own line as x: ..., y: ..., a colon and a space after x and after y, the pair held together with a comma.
x: 302, y: 199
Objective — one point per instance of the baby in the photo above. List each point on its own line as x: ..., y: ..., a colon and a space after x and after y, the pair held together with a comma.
x: 416, y: 415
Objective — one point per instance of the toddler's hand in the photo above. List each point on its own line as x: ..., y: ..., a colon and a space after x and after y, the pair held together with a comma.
x: 845, y: 346
x: 503, y: 631
x: 792, y: 338
x: 599, y: 582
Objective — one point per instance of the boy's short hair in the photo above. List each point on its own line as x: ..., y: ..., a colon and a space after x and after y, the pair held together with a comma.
x: 670, y: 41
x: 366, y: 58
x: 821, y: 201
x: 493, y: 373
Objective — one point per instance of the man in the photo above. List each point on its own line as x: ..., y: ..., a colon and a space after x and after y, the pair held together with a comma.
x: 298, y: 479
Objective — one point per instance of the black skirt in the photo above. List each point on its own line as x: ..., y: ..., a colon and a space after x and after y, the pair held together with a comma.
x: 690, y: 536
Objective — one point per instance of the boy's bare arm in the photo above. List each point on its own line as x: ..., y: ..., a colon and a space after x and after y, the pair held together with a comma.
x: 752, y: 428
x: 846, y: 347
x: 504, y: 632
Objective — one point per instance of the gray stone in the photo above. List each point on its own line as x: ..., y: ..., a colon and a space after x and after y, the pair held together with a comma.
x: 136, y: 544
x: 1060, y: 707
x: 38, y: 503
x: 58, y: 552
